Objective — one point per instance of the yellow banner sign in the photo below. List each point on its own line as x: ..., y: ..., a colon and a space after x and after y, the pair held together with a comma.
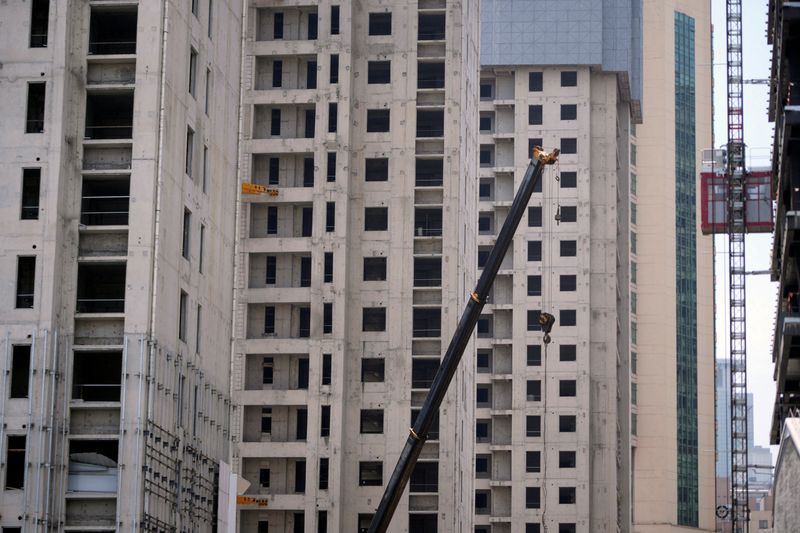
x: 251, y: 500
x: 254, y: 188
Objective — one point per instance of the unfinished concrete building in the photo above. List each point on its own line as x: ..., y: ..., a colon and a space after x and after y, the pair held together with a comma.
x: 354, y: 263
x: 118, y: 152
x: 553, y: 422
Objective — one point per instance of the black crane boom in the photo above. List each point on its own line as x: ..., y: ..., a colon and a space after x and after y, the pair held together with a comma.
x: 418, y: 434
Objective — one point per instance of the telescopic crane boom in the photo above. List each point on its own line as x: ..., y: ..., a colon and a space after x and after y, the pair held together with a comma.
x: 418, y: 434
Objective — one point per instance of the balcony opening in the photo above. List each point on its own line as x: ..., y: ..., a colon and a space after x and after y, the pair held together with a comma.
x: 370, y: 473
x: 431, y: 27
x: 425, y: 478
x: 113, y: 31
x: 428, y: 222
x: 31, y: 184
x: 372, y: 370
x: 26, y: 282
x: 20, y: 371
x: 40, y: 21
x: 97, y: 377
x: 427, y: 322
x: 105, y: 201
x: 433, y: 432
x: 101, y: 288
x: 427, y: 272
x: 15, y: 462
x: 422, y: 372
x: 34, y: 118
x: 430, y: 123
x: 430, y: 75
x: 109, y: 116
x: 93, y: 466
x: 429, y: 172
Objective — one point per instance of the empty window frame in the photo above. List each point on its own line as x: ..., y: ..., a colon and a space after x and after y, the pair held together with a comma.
x: 483, y: 430
x: 266, y: 420
x: 311, y: 122
x: 313, y: 26
x: 327, y: 276
x: 431, y: 27
x: 15, y: 462
x: 198, y: 332
x: 427, y: 272
x: 567, y: 388
x: 482, y: 501
x: 377, y: 120
x: 483, y: 395
x: 427, y: 322
x: 370, y: 473
x: 373, y: 319
x: 335, y: 20
x: 566, y: 459
x: 311, y: 75
x: 568, y: 213
x: 429, y: 172
x: 534, y: 250
x: 376, y: 218
x: 20, y: 371
x: 567, y: 423
x: 380, y: 23
x: 533, y: 426
x: 334, y: 69
x: 534, y: 355
x: 327, y: 317
x: 326, y: 368
x: 433, y: 432
x: 485, y: 123
x: 26, y: 282
x: 568, y: 248
x: 379, y: 72
x: 183, y: 310
x: 371, y: 421
x: 569, y: 78
x: 533, y: 461
x: 567, y: 352
x: 568, y: 283
x: 483, y: 466
x: 201, y: 248
x: 189, y: 163
x: 275, y: 121
x: 272, y: 220
x: 424, y: 478
x: 566, y: 495
x: 567, y: 527
x: 40, y: 20
x: 330, y: 174
x: 323, y: 473
x: 330, y: 217
x: 277, y: 73
x: 267, y: 371
x: 31, y: 183
x: 205, y: 169
x: 34, y: 117
x: 325, y: 421
x: 532, y: 527
x: 532, y: 143
x: 569, y: 145
x: 534, y: 115
x: 374, y: 269
x: 430, y: 123
x: 533, y: 320
x: 535, y: 216
x: 567, y: 317
x: 333, y: 117
x: 533, y: 498
x: 569, y: 112
x: 535, y: 285
x: 264, y: 477
x: 193, y: 71
x: 376, y: 169
x: 187, y: 233
x: 430, y: 75
x: 533, y: 390
x: 308, y: 171
x: 486, y: 89
x: 569, y: 180
x: 535, y: 80
x: 372, y: 370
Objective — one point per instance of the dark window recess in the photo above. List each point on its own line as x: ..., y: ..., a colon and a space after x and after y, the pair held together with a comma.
x: 299, y: 522
x: 323, y: 473
x: 567, y: 317
x: 423, y: 372
x: 331, y: 170
x: 567, y: 528
x: 569, y: 180
x: 566, y: 495
x: 264, y: 477
x: 533, y: 461
x: 533, y: 426
x: 533, y: 390
x: 277, y: 73
x: 15, y: 462
x: 330, y: 216
x: 430, y: 75
x: 567, y: 423
x: 308, y: 172
x: 486, y: 90
x: 430, y: 123
x: 567, y: 388
x: 569, y: 213
x: 425, y: 478
x: 423, y: 522
x: 431, y: 27
x: 427, y: 272
x: 313, y: 26
x: 333, y: 117
x: 483, y: 431
x: 569, y: 111
x: 380, y: 23
x: 327, y: 276
x: 566, y: 459
x: 307, y: 214
x: 534, y: 355
x: 371, y: 421
x: 322, y: 521
x: 20, y: 371
x: 376, y: 218
x: 326, y: 369
x: 567, y: 352
x: 533, y: 320
x: 275, y: 122
x: 334, y: 77
x: 483, y: 257
x: 302, y: 373
x: 26, y: 282
x: 568, y: 283
x: 262, y: 527
x: 31, y: 183
x: 311, y: 75
x: 569, y: 78
x: 370, y: 473
x: 568, y: 248
x: 427, y: 322
x: 483, y: 395
x: 101, y: 288
x: 569, y: 145
x: 277, y: 26
x: 374, y: 269
x: 533, y: 497
x: 531, y: 527
x: 482, y: 499
x: 485, y: 123
x: 96, y: 376
x: 311, y: 122
x: 267, y: 371
x: 429, y: 172
x: 373, y: 319
x: 535, y: 81
x: 428, y: 222
x: 274, y: 170
x: 482, y: 463
x: 372, y: 370
x: 300, y: 476
x: 272, y: 220
x: 327, y: 317
x: 376, y: 169
x: 485, y: 155
x: 364, y: 521
x: 534, y: 250
x: 484, y: 326
x: 269, y: 320
x: 534, y: 285
x: 266, y: 420
x: 534, y: 115
x: 379, y: 72
x: 34, y: 119
x: 186, y: 239
x: 334, y: 20
x: 535, y: 216
x: 377, y: 120
x: 113, y: 31
x: 325, y: 421
x: 301, y: 425
x: 40, y: 19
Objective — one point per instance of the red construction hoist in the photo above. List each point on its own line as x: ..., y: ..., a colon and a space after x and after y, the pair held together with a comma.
x: 737, y: 226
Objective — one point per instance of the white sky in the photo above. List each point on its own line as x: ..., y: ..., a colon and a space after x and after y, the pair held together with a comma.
x: 761, y: 293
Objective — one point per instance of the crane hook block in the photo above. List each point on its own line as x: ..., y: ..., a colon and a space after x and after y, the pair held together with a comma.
x: 547, y: 158
x: 546, y: 320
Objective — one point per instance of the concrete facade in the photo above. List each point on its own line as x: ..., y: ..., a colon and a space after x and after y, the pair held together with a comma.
x: 785, y: 499
x: 658, y: 291
x: 115, y: 391
x: 352, y: 274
